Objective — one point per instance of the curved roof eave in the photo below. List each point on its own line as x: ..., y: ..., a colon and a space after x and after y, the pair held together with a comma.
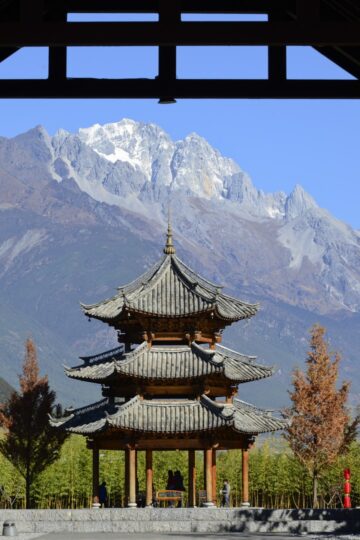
x: 132, y: 296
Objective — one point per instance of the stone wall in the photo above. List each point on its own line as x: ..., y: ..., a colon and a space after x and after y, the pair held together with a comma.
x: 207, y: 520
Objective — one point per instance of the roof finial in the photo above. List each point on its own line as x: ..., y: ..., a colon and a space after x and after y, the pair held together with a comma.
x: 169, y: 248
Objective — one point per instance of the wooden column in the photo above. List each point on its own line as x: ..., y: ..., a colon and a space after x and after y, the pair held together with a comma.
x: 245, y: 477
x: 95, y: 475
x: 132, y: 478
x: 208, y: 468
x: 205, y: 470
x: 213, y: 476
x: 149, y: 478
x: 126, y: 477
x: 136, y: 474
x: 192, y: 479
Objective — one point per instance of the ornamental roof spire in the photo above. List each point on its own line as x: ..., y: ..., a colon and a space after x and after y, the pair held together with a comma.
x: 169, y: 248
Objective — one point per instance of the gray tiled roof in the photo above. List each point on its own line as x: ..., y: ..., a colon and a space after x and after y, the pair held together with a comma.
x: 170, y: 417
x: 170, y: 363
x: 171, y: 289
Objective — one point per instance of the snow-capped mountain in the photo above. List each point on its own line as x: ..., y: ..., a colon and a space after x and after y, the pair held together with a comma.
x: 137, y: 166
x: 81, y: 213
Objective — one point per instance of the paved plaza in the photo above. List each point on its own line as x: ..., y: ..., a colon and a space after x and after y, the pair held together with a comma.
x: 177, y: 536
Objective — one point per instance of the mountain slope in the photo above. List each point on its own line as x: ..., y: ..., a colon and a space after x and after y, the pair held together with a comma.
x: 82, y: 213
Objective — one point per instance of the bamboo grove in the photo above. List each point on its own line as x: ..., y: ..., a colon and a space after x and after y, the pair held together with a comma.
x: 277, y: 479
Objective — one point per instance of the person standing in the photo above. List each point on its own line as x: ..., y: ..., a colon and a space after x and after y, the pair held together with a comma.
x: 225, y: 492
x: 179, y: 485
x: 103, y: 495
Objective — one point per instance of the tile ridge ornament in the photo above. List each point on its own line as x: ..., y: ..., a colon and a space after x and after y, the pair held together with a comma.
x: 169, y: 248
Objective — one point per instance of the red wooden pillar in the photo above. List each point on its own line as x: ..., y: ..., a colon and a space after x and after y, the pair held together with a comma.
x: 132, y: 478
x: 208, y: 470
x: 149, y: 478
x: 245, y: 477
x: 213, y: 479
x: 204, y: 469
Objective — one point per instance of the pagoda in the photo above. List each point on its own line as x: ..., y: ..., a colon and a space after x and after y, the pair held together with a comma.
x: 170, y: 384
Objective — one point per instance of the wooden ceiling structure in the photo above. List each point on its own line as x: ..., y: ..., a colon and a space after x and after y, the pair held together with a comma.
x: 332, y: 27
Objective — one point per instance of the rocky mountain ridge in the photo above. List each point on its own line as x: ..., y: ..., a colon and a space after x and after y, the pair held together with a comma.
x: 82, y: 213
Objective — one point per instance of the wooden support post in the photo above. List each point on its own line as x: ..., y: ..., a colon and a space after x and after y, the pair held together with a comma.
x: 277, y: 63
x: 208, y: 468
x: 132, y: 478
x: 245, y: 477
x: 57, y: 55
x: 149, y: 478
x: 95, y: 476
x: 192, y: 479
x: 168, y: 13
x: 277, y: 55
x: 204, y: 470
x: 136, y: 474
x: 126, y: 501
x: 213, y: 476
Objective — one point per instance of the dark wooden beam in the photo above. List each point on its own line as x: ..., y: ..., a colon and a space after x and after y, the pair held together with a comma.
x: 152, y: 6
x: 276, y: 55
x: 31, y: 11
x: 182, y: 89
x: 307, y: 10
x: 57, y: 55
x: 169, y: 444
x: 6, y: 52
x: 347, y: 58
x: 168, y: 14
x: 184, y: 33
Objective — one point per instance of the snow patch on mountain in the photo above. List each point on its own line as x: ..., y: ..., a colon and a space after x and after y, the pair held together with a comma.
x: 11, y: 248
x: 138, y: 167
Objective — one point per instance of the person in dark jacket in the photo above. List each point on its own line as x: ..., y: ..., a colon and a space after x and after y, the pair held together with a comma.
x: 103, y: 495
x: 179, y: 484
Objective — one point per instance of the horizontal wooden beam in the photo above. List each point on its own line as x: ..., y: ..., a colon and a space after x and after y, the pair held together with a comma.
x: 180, y: 89
x: 6, y: 52
x: 183, y: 34
x: 152, y: 6
x: 169, y: 444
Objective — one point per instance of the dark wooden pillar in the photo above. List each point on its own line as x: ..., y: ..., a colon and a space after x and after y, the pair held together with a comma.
x: 213, y: 476
x: 126, y: 501
x: 136, y: 475
x: 132, y: 478
x: 208, y: 470
x: 192, y: 479
x: 245, y: 477
x: 149, y: 478
x: 205, y: 470
x: 95, y: 475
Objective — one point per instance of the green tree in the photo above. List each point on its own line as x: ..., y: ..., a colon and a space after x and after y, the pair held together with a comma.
x: 29, y: 443
x: 319, y: 418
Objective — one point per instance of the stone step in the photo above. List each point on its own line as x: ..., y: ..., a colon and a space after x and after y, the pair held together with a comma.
x: 202, y: 520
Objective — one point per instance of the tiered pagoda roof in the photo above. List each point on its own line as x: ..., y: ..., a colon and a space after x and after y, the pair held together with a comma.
x: 163, y: 382
x: 175, y: 417
x: 170, y: 363
x: 170, y: 289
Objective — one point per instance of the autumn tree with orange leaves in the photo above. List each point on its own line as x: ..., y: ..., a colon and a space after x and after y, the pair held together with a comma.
x: 320, y: 426
x: 29, y: 442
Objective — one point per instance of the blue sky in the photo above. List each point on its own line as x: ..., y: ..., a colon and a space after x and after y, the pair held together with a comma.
x: 279, y: 143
